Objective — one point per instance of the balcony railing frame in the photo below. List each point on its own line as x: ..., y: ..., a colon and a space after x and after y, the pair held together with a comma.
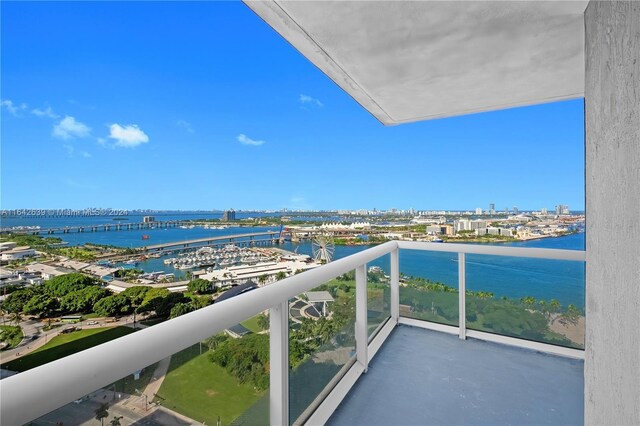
x: 36, y: 392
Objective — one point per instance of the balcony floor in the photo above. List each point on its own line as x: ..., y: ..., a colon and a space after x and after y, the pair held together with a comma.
x: 430, y: 378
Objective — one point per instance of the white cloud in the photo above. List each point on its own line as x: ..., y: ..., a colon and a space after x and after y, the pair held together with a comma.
x: 69, y: 128
x: 128, y: 136
x: 185, y: 125
x: 306, y: 99
x: 246, y: 140
x: 69, y: 149
x: 13, y: 108
x: 85, y: 154
x: 44, y: 112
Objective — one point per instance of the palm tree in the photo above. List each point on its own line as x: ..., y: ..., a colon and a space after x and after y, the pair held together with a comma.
x: 101, y: 412
x: 263, y: 322
x: 15, y: 317
x: 262, y: 279
x: 281, y: 276
x: 116, y: 421
x: 528, y: 301
x: 544, y: 308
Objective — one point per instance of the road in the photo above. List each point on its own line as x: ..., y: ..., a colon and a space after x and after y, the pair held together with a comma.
x: 34, y: 328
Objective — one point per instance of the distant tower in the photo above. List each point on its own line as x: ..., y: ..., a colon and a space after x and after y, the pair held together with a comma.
x: 515, y: 210
x: 478, y: 210
x: 229, y: 215
x: 544, y: 210
x: 492, y: 209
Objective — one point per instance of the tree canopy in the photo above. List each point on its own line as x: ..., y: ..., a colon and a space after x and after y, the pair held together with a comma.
x: 200, y: 286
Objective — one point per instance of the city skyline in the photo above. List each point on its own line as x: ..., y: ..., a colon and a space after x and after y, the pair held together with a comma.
x: 211, y: 115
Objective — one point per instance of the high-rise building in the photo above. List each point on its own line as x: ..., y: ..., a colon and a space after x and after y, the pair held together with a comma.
x: 544, y: 210
x: 478, y: 210
x: 229, y: 215
x: 562, y: 209
x: 515, y: 210
x: 492, y: 209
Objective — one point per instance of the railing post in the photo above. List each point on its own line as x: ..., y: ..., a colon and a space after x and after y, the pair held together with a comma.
x: 279, y: 364
x: 395, y: 285
x: 462, y: 297
x: 362, y: 337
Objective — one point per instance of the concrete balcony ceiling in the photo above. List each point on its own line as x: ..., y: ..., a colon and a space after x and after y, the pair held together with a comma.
x: 410, y: 61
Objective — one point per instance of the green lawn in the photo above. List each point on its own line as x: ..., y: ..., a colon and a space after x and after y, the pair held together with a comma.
x: 252, y: 324
x: 202, y: 390
x: 65, y: 345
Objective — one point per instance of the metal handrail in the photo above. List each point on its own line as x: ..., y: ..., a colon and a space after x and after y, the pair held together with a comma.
x: 33, y: 393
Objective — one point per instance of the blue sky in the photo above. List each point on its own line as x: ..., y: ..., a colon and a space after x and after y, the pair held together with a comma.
x: 201, y: 105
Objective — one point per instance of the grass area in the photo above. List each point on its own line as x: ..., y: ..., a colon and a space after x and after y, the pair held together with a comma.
x: 202, y: 390
x: 252, y: 324
x: 65, y: 345
x: 11, y: 335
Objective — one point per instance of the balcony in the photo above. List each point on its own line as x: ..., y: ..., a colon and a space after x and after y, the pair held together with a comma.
x: 363, y: 349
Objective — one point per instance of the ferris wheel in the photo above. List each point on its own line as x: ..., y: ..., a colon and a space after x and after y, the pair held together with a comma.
x: 323, y: 248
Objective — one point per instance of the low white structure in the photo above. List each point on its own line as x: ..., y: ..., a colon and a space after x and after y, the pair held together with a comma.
x: 7, y: 245
x: 18, y: 253
x: 74, y: 264
x: 48, y: 271
x: 242, y: 274
x: 99, y: 271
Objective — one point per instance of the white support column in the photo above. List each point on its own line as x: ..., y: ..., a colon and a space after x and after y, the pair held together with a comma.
x: 395, y: 285
x: 362, y: 338
x: 462, y: 297
x: 612, y: 123
x: 279, y: 364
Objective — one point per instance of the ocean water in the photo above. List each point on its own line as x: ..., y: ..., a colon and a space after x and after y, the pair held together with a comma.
x: 512, y: 277
x: 503, y: 276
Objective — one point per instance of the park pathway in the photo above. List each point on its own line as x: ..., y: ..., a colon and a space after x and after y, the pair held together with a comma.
x: 158, y: 377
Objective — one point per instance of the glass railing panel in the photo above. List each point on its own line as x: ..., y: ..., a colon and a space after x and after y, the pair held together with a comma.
x: 321, y: 343
x: 534, y: 299
x: 220, y: 380
x: 378, y: 293
x: 429, y: 286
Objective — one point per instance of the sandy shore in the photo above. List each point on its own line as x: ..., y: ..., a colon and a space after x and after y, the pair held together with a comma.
x: 572, y: 331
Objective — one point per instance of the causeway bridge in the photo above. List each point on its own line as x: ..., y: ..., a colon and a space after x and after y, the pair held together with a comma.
x: 254, y: 238
x: 97, y: 228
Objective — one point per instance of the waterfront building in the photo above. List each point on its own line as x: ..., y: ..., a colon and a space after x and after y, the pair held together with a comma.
x: 440, y: 229
x: 148, y: 219
x: 504, y: 232
x: 229, y: 215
